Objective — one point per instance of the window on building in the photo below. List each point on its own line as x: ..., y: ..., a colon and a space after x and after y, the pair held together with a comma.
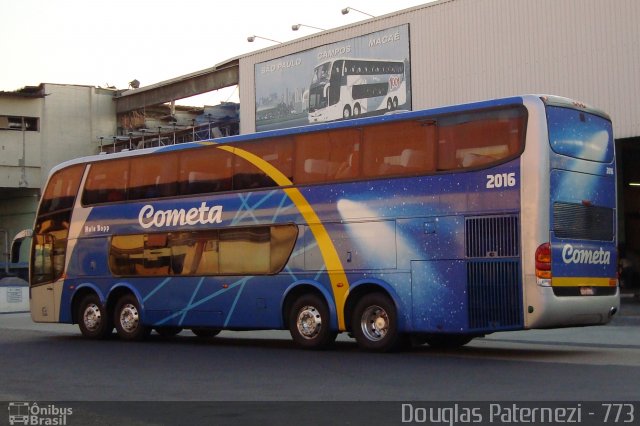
x: 11, y: 122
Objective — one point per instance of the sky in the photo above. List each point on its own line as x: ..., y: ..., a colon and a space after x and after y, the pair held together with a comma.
x: 106, y: 43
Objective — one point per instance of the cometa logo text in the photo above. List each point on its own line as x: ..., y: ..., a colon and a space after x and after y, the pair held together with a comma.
x: 592, y: 257
x: 204, y: 214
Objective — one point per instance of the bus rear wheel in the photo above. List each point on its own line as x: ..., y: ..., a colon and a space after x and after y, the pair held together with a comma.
x: 128, y: 319
x: 346, y: 112
x: 309, y: 322
x: 375, y: 324
x: 93, y: 319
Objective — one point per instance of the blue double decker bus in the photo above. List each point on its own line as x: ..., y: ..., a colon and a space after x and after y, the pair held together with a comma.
x: 432, y: 226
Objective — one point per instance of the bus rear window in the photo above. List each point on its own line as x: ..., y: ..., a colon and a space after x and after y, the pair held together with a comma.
x: 580, y: 135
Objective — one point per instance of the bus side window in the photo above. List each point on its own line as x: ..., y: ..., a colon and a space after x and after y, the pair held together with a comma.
x: 107, y: 182
x: 345, y: 153
x: 62, y: 188
x: 126, y: 254
x: 401, y: 148
x: 278, y: 152
x: 233, y: 251
x: 325, y: 157
x: 480, y: 139
x: 204, y: 170
x: 152, y: 179
x: 157, y: 254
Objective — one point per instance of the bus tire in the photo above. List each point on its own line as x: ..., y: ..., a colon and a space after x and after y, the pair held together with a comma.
x: 395, y: 103
x: 375, y: 324
x: 205, y: 332
x: 357, y: 110
x: 93, y: 319
x: 309, y: 322
x: 127, y: 319
x: 389, y: 105
x: 346, y: 112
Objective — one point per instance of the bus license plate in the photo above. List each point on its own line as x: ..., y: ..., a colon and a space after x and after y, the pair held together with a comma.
x: 586, y: 291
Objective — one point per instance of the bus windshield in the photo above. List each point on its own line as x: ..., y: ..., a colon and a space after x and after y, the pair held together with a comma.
x: 321, y: 73
x: 580, y: 135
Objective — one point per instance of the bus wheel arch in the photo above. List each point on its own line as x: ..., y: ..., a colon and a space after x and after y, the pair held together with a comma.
x: 307, y: 314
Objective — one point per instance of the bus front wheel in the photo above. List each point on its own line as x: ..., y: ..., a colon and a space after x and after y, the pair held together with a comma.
x: 128, y: 319
x: 309, y: 322
x: 375, y: 324
x: 93, y: 319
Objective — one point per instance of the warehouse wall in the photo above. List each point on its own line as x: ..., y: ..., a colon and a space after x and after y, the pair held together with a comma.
x: 467, y: 50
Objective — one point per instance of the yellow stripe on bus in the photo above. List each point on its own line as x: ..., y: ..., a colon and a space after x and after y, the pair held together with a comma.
x: 339, y: 282
x: 583, y: 282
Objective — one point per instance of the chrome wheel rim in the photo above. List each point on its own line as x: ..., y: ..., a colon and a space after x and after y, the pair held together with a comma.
x: 92, y: 317
x: 129, y: 318
x: 375, y: 323
x: 309, y: 322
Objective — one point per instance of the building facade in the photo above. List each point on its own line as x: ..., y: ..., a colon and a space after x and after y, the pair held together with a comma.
x: 40, y: 127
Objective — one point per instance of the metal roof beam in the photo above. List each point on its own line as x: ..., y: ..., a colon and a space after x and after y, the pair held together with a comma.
x: 179, y: 88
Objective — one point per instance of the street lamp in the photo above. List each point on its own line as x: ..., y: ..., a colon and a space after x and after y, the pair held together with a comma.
x: 296, y: 27
x: 253, y: 38
x: 348, y: 9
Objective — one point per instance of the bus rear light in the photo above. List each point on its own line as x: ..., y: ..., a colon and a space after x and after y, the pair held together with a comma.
x: 543, y: 261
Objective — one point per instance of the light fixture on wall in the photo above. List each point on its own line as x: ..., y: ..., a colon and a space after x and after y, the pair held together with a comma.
x: 253, y: 38
x: 348, y: 9
x: 296, y: 27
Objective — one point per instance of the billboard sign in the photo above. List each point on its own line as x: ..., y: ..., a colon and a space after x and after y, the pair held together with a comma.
x: 363, y: 76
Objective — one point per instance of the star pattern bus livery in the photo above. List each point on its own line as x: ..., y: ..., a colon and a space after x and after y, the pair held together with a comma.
x: 432, y: 226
